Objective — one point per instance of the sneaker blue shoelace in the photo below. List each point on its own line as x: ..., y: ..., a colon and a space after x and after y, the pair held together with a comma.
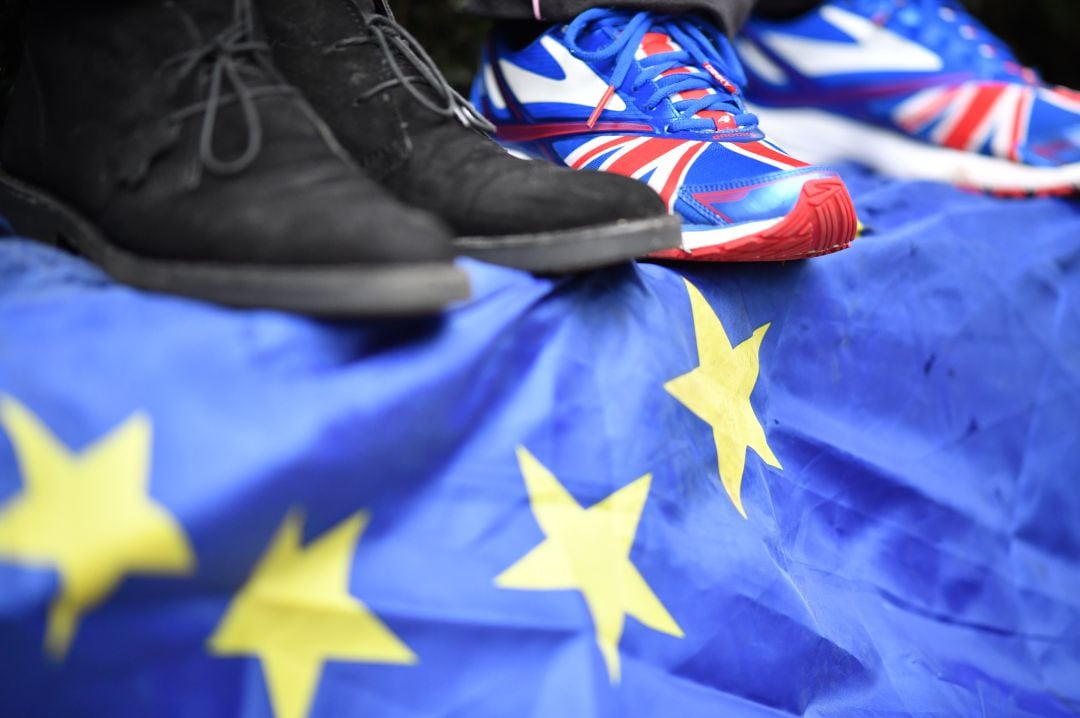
x: 721, y: 72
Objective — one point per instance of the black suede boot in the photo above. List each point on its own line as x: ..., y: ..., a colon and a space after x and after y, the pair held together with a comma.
x: 387, y: 103
x: 156, y: 138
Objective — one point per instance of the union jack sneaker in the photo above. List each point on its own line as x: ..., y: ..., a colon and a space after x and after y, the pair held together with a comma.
x: 656, y: 97
x: 913, y: 88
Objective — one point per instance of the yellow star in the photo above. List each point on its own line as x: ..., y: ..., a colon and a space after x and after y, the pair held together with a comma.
x: 295, y: 613
x: 588, y: 550
x: 88, y: 515
x: 718, y: 392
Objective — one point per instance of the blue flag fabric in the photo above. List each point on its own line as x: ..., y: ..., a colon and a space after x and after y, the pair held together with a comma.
x: 843, y: 487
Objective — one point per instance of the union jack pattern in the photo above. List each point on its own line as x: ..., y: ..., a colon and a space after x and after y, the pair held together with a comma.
x: 1062, y: 97
x: 968, y: 116
x: 663, y: 163
x: 980, y: 115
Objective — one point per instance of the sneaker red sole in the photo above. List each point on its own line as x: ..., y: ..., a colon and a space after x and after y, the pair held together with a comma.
x: 823, y: 221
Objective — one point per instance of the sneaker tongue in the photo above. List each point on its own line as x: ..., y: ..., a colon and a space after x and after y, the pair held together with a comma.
x: 660, y: 43
x: 657, y: 43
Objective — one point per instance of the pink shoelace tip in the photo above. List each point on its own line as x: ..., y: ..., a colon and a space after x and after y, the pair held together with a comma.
x: 536, y: 9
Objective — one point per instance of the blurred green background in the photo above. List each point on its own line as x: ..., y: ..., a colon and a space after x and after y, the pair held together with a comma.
x: 1045, y: 33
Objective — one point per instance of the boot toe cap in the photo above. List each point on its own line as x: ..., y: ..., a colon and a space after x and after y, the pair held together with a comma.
x: 547, y: 198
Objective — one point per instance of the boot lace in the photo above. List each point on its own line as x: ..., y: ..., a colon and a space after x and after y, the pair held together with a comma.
x: 239, y: 71
x: 720, y: 75
x: 396, y: 43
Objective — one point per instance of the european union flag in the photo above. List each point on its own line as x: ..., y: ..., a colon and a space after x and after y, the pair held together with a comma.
x: 842, y: 487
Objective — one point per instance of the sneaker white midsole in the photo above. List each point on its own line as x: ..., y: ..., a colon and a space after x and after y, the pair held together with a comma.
x: 697, y: 238
x: 823, y: 138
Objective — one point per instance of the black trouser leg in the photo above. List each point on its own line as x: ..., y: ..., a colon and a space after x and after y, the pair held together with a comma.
x: 731, y: 14
x: 785, y: 8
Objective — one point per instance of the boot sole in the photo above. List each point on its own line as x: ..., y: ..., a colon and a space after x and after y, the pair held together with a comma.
x: 576, y: 250
x: 358, y: 291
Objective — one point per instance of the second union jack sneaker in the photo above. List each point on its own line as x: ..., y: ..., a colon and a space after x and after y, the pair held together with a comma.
x: 913, y: 88
x: 656, y: 97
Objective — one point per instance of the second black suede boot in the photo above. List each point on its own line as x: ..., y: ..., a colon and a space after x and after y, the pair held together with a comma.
x: 156, y: 138
x: 392, y: 109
